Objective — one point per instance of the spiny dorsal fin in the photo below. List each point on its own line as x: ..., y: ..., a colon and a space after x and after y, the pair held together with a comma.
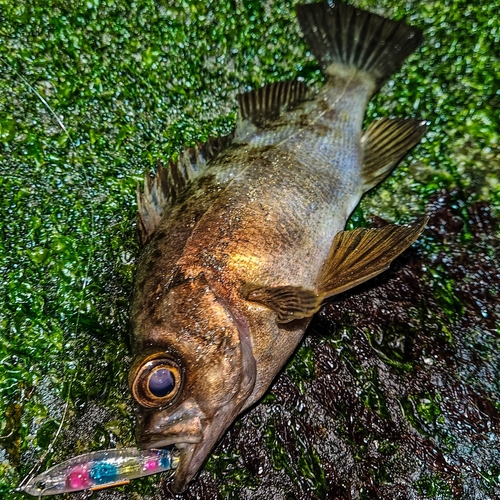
x: 150, y: 203
x: 163, y: 188
x: 384, y: 144
x: 342, y: 34
x: 267, y: 103
x: 356, y: 256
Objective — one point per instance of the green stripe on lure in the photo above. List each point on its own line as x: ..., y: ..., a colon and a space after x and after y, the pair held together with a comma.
x: 101, y: 469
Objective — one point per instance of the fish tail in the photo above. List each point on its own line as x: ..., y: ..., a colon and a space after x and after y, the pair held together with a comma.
x: 340, y: 34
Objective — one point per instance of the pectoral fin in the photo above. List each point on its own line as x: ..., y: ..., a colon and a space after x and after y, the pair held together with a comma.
x: 356, y: 256
x: 288, y: 302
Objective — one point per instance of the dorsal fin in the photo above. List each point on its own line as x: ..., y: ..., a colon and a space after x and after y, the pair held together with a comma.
x: 163, y: 188
x: 268, y: 102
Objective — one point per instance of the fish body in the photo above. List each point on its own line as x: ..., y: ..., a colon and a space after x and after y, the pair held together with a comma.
x: 243, y: 245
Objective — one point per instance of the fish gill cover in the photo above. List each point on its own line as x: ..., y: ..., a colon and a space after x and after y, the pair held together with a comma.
x: 395, y: 391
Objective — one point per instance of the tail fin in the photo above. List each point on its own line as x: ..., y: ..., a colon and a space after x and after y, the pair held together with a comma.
x: 342, y: 34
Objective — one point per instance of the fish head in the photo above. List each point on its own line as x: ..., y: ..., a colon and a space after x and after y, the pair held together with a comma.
x: 193, y: 371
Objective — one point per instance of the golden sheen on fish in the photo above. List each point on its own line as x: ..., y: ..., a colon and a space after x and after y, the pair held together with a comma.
x: 243, y: 237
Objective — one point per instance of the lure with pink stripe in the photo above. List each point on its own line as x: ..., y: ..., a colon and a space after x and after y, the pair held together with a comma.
x: 101, y: 469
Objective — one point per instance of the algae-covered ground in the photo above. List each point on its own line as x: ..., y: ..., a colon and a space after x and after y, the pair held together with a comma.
x: 395, y: 392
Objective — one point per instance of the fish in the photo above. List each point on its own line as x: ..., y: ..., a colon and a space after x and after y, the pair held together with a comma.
x: 98, y: 470
x: 243, y: 238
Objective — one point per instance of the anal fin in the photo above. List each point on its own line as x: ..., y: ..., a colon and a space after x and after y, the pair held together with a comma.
x: 384, y: 144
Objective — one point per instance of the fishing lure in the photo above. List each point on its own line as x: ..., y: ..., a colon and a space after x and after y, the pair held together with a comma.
x: 101, y: 469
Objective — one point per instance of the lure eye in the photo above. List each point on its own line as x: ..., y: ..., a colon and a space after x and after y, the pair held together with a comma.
x: 157, y: 381
x: 40, y: 485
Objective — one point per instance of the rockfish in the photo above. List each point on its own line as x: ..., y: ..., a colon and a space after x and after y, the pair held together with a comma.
x: 244, y: 237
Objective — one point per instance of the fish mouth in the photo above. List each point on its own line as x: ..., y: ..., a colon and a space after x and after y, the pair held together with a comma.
x: 193, y: 438
x: 186, y: 449
x: 193, y: 450
x: 184, y: 432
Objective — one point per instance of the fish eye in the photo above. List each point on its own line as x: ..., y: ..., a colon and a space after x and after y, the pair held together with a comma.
x: 161, y: 382
x: 157, y: 381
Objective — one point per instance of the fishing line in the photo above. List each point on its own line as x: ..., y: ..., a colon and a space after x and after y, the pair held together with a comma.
x: 86, y: 273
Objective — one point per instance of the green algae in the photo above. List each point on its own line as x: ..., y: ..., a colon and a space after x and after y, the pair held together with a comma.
x: 306, y: 467
x: 433, y: 486
x: 301, y: 367
x: 92, y: 94
x: 424, y: 413
x: 232, y: 476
